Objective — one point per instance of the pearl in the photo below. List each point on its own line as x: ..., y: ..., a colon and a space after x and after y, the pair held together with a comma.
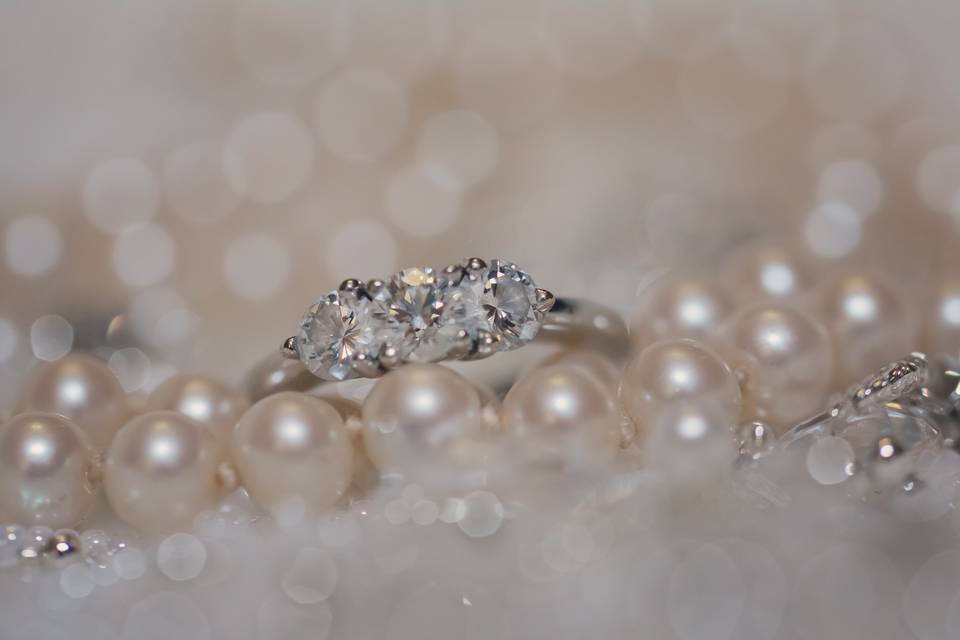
x: 680, y: 306
x: 46, y: 460
x: 784, y: 360
x: 420, y: 415
x: 600, y: 367
x: 203, y: 399
x: 679, y: 372
x: 563, y: 415
x: 870, y: 326
x: 942, y: 326
x: 161, y: 471
x: 768, y: 272
x: 291, y: 447
x: 81, y: 388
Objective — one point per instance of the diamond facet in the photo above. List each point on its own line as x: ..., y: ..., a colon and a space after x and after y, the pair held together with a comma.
x: 419, y: 315
x: 336, y: 331
x: 409, y: 305
x: 501, y: 300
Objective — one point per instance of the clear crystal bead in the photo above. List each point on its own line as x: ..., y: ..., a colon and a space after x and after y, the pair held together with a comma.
x: 12, y: 539
x: 337, y: 330
x: 35, y: 542
x: 96, y: 546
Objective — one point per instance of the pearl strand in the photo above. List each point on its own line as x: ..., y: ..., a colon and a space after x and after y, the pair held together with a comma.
x: 705, y: 363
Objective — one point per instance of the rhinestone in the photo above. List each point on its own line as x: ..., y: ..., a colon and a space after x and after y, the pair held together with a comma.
x: 337, y: 330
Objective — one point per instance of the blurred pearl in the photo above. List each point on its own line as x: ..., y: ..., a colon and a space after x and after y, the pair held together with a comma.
x: 942, y: 326
x: 203, y: 399
x: 83, y: 389
x: 600, y: 367
x: 291, y: 446
x: 161, y: 471
x: 43, y: 476
x: 679, y: 372
x: 418, y: 415
x: 680, y: 306
x: 785, y: 361
x: 871, y: 327
x: 564, y: 415
x: 768, y: 272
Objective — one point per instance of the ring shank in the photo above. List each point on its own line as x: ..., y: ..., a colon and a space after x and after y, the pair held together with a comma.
x: 571, y: 322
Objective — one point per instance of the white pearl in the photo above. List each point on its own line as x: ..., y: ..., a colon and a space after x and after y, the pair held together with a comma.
x: 291, y: 447
x: 679, y: 372
x: 83, y: 389
x: 161, y: 471
x: 597, y: 365
x: 44, y: 471
x: 562, y: 414
x: 203, y: 399
x: 420, y: 416
x: 942, y: 320
x: 680, y: 306
x: 870, y: 326
x: 785, y: 361
x: 769, y: 272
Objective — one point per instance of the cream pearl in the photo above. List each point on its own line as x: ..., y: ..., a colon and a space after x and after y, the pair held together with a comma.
x: 941, y: 331
x: 292, y: 449
x: 161, y: 471
x: 597, y: 365
x: 679, y: 372
x: 79, y: 387
x: 784, y: 360
x: 680, y: 306
x: 564, y: 415
x: 770, y: 272
x: 46, y: 460
x: 418, y: 416
x: 203, y: 399
x: 869, y: 324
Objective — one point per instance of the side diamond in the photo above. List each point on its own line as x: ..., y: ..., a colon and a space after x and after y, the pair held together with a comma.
x: 337, y: 331
x: 498, y: 300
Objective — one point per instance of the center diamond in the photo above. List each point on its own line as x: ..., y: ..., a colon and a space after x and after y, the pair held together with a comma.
x: 410, y: 305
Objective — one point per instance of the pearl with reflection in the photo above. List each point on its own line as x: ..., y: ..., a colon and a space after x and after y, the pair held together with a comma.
x: 785, y: 361
x: 870, y: 325
x: 942, y: 320
x: 680, y: 306
x: 563, y: 415
x: 203, y: 399
x: 597, y: 365
x: 679, y: 372
x: 419, y: 415
x: 291, y: 447
x: 768, y: 272
x: 83, y: 389
x: 44, y: 462
x: 161, y: 471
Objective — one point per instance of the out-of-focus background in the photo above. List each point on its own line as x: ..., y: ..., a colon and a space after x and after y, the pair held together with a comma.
x: 178, y: 180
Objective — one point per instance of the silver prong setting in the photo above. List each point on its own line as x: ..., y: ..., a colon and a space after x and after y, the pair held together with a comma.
x: 545, y: 300
x: 289, y: 349
x: 350, y: 284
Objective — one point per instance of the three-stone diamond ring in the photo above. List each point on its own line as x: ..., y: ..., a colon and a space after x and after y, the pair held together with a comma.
x: 466, y: 311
